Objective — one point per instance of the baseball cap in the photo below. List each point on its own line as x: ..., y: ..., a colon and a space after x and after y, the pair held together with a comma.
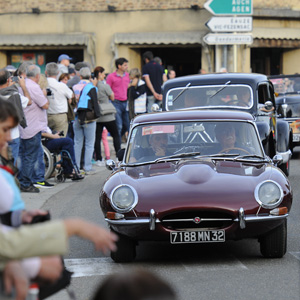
x: 64, y: 56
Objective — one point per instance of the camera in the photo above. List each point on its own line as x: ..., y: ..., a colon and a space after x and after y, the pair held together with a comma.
x: 15, y: 78
x: 49, y: 92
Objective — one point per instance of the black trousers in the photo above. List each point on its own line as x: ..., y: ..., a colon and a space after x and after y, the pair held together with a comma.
x: 113, y: 130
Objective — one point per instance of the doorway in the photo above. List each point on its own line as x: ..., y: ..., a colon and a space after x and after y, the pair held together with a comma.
x: 184, y: 60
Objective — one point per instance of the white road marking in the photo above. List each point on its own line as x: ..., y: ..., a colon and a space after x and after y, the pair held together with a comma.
x: 296, y: 254
x: 83, y: 267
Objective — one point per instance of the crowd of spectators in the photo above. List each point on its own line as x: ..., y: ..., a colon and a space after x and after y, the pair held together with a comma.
x: 70, y: 107
x: 76, y: 103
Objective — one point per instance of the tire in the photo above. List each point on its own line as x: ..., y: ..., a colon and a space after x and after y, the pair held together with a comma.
x: 126, y: 250
x: 49, y: 162
x: 60, y: 178
x: 273, y: 245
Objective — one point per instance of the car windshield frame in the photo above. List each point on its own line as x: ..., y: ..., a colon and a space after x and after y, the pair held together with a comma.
x: 190, y: 139
x: 225, y: 95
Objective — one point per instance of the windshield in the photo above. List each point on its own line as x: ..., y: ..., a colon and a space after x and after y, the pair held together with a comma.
x: 286, y: 85
x: 226, y: 95
x: 183, y: 139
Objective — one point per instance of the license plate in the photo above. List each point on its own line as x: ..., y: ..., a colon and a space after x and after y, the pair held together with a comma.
x: 296, y: 137
x: 204, y: 236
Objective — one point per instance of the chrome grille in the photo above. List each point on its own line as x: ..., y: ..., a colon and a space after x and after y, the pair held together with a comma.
x: 197, y: 220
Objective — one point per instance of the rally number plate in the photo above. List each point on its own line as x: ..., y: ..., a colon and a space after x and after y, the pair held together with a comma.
x: 296, y: 137
x: 204, y: 236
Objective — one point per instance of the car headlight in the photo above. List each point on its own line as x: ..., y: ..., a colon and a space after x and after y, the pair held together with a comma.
x: 268, y: 194
x: 123, y: 198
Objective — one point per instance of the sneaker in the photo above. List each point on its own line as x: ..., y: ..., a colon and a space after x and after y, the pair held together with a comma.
x: 90, y: 172
x: 43, y: 184
x: 29, y: 189
x: 100, y: 163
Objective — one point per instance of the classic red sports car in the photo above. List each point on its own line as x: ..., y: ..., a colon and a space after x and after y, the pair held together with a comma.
x: 196, y: 177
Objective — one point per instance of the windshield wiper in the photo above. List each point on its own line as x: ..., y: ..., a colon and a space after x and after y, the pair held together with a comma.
x: 182, y: 91
x: 242, y: 157
x: 177, y: 156
x: 220, y: 89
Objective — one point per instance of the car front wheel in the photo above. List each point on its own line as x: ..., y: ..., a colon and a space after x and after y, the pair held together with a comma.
x: 126, y: 250
x: 273, y: 245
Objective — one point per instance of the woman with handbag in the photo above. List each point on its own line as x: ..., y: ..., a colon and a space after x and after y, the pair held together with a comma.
x: 107, y: 117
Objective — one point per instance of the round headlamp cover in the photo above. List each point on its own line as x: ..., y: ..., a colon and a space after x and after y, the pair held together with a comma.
x: 268, y: 194
x: 124, y: 198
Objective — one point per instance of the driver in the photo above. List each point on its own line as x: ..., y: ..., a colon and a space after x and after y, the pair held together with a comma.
x: 225, y: 134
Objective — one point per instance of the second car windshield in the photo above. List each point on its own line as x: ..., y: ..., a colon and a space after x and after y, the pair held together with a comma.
x: 227, y: 95
x: 153, y: 141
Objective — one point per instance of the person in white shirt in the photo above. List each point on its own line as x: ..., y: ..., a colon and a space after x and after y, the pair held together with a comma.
x: 58, y: 95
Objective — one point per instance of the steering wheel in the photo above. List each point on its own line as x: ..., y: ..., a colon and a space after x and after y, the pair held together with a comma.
x: 227, y: 150
x: 232, y: 102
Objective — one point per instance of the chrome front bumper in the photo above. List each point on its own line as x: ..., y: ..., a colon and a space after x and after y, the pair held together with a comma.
x: 152, y: 220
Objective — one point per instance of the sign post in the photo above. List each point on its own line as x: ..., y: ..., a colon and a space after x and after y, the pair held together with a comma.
x: 227, y: 39
x: 230, y: 24
x: 229, y: 7
x: 237, y: 18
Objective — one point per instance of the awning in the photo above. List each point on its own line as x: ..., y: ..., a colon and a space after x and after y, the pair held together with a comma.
x: 45, y: 39
x: 159, y: 38
x: 276, y: 37
x: 276, y: 33
x: 34, y: 40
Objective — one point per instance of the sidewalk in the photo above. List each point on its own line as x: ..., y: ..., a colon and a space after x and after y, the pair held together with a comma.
x: 36, y: 201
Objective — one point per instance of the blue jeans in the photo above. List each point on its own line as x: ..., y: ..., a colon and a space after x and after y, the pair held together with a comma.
x: 15, y: 147
x: 56, y: 145
x: 32, y: 161
x: 122, y: 117
x: 88, y: 132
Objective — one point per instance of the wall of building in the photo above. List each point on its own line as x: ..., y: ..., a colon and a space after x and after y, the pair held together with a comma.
x: 25, y: 6
x: 78, y: 16
x: 291, y: 62
x: 104, y: 25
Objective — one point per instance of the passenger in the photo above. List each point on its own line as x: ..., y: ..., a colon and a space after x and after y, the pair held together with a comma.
x: 244, y: 97
x: 158, y: 148
x: 134, y: 285
x: 158, y: 144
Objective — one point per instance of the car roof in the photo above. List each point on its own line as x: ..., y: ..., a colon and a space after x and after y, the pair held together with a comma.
x: 216, y: 78
x: 185, y: 115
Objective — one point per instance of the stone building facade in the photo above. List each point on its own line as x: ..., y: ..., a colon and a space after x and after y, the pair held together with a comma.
x: 99, y: 31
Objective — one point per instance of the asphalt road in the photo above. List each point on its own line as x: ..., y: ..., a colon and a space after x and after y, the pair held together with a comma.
x: 233, y: 270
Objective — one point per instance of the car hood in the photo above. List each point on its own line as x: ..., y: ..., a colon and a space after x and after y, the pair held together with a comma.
x: 189, y: 184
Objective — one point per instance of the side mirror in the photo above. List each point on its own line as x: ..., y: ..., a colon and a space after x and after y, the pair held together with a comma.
x: 155, y: 107
x: 277, y: 160
x: 120, y: 154
x: 269, y: 106
x: 110, y: 165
